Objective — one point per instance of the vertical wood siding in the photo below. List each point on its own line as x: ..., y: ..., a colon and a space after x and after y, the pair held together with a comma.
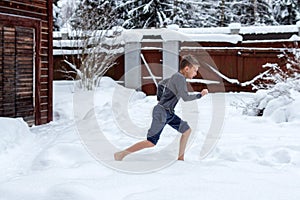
x: 29, y: 24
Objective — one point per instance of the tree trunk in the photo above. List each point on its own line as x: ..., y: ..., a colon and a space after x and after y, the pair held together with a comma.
x: 222, y: 7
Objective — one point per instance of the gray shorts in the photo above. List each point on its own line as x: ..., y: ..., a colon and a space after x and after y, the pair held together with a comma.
x: 161, y: 117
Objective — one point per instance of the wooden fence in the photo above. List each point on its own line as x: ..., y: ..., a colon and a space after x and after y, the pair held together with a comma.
x: 237, y: 63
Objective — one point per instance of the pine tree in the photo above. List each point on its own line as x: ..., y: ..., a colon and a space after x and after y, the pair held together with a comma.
x: 252, y: 12
x: 56, y: 11
x: 189, y: 14
x: 224, y: 13
x: 263, y: 13
x: 286, y: 12
x: 145, y: 13
x: 204, y: 14
x: 95, y: 15
x: 182, y: 14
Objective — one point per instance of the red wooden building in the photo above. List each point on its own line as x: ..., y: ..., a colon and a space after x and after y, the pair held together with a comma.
x: 26, y: 60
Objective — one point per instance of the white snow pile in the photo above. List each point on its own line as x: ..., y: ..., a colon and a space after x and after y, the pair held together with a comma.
x: 14, y: 133
x: 255, y: 158
x: 279, y: 91
x: 280, y: 104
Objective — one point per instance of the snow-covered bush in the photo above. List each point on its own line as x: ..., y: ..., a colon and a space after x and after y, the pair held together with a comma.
x: 96, y: 53
x: 96, y: 41
x: 278, y: 88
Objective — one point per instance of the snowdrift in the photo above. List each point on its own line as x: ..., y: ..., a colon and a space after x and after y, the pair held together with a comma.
x: 49, y: 162
x: 13, y: 133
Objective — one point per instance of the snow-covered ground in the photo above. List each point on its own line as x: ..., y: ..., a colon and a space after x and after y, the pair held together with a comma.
x: 254, y: 158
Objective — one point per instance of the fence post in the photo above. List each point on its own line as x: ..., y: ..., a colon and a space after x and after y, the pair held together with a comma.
x: 64, y: 34
x: 170, y: 58
x: 132, y: 76
x: 234, y: 28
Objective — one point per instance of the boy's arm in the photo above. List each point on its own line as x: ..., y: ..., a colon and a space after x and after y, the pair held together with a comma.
x: 183, y: 91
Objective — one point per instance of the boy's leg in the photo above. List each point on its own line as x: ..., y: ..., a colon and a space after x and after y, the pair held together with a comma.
x: 183, y: 141
x: 182, y: 127
x: 136, y: 147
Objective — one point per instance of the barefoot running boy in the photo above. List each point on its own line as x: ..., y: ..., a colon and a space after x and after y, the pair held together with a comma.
x: 168, y: 95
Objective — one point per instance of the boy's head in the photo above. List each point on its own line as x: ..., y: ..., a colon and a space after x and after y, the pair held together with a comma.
x: 189, y: 66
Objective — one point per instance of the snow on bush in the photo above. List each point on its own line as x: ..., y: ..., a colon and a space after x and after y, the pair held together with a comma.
x: 279, y: 89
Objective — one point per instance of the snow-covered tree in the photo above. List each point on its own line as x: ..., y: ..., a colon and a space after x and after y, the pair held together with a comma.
x: 62, y: 12
x: 286, y: 12
x: 204, y: 13
x: 56, y: 11
x: 145, y: 13
x: 159, y: 13
x: 185, y: 13
x: 252, y: 12
x: 191, y: 13
x: 95, y: 15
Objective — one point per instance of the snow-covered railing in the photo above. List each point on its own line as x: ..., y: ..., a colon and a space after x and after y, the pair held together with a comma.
x: 232, y: 34
x: 203, y: 81
x: 243, y: 30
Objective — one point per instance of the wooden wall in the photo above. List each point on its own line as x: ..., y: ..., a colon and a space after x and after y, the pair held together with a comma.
x: 26, y: 63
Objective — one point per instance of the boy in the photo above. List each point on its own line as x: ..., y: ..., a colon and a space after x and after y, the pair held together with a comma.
x: 169, y: 93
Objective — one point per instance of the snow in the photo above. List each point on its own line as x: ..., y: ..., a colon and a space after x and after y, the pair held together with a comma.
x: 234, y: 39
x: 294, y: 38
x: 204, y: 81
x: 174, y: 27
x: 132, y: 36
x: 243, y: 30
x: 269, y: 29
x: 174, y: 33
x: 235, y: 26
x: 254, y: 158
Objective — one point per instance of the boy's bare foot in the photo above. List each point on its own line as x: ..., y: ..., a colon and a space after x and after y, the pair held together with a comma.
x: 119, y: 155
x: 181, y: 158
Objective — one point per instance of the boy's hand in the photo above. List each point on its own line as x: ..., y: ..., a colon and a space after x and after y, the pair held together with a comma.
x: 204, y: 92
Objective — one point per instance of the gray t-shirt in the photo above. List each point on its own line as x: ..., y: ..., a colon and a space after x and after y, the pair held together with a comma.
x: 174, y: 89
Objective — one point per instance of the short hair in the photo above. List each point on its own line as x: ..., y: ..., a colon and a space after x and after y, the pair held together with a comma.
x: 188, y: 60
